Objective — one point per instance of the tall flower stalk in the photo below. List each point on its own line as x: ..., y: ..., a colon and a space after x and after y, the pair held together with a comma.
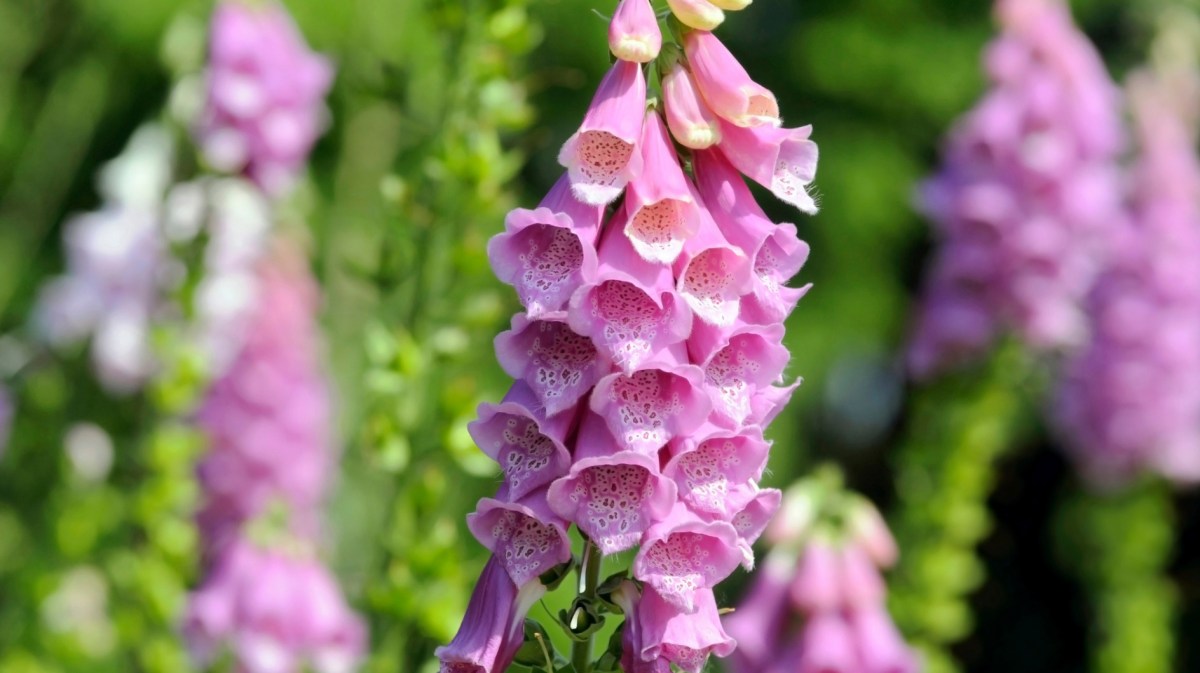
x: 648, y: 358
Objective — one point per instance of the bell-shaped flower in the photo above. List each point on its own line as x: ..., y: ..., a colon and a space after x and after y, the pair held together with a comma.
x: 601, y: 157
x: 698, y: 14
x: 766, y: 403
x: 633, y: 33
x: 712, y: 274
x: 691, y: 121
x: 613, y: 496
x: 776, y: 251
x: 559, y: 365
x: 631, y: 310
x: 525, y: 536
x: 752, y: 520
x: 648, y: 408
x: 527, y: 445
x: 683, y: 556
x: 725, y: 84
x: 660, y: 205
x: 492, y: 629
x: 758, y: 622
x: 880, y: 647
x: 738, y: 363
x: 547, y: 252
x: 628, y: 597
x: 817, y: 586
x: 684, y: 638
x: 709, y: 466
x: 827, y: 646
x: 732, y: 5
x: 781, y: 159
x: 870, y: 532
x: 859, y: 578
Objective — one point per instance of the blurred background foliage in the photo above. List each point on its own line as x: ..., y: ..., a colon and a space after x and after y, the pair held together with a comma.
x: 445, y: 114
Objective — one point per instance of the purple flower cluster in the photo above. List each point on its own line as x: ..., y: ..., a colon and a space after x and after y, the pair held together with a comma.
x: 1130, y: 400
x: 267, y: 421
x: 1027, y: 194
x: 264, y: 109
x: 824, y: 572
x: 649, y: 357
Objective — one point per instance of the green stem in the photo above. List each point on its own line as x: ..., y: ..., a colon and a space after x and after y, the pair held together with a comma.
x: 1127, y: 540
x: 589, y: 579
x: 961, y: 427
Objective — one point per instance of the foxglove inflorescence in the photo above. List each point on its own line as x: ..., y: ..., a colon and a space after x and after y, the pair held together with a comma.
x: 265, y: 597
x: 266, y: 89
x: 1130, y: 400
x: 649, y: 356
x: 1027, y: 193
x: 824, y: 573
x: 265, y: 594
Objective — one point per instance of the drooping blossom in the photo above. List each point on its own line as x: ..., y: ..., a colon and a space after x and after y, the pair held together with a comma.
x: 824, y: 575
x: 1130, y: 400
x: 1026, y: 195
x: 264, y: 107
x: 649, y: 356
x: 601, y: 157
x: 633, y: 34
x: 273, y: 611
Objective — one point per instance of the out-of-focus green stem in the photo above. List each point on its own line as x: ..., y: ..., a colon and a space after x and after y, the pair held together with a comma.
x: 961, y: 427
x: 1119, y: 545
x: 589, y: 579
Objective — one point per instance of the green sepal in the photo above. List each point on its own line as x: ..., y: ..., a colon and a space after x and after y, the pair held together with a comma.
x: 606, y: 589
x: 582, y: 620
x: 610, y: 661
x: 533, y: 654
x: 554, y: 576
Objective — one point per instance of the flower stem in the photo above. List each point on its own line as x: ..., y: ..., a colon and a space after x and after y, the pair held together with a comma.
x: 589, y: 578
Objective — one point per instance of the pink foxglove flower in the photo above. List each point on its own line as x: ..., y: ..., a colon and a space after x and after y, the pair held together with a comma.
x: 493, y: 625
x: 725, y: 84
x: 691, y: 121
x: 685, y: 639
x: 267, y: 421
x: 698, y: 14
x: 826, y: 573
x: 602, y: 157
x: 713, y: 469
x: 273, y: 612
x: 683, y: 555
x: 1130, y: 399
x: 527, y: 445
x: 777, y: 254
x: 264, y: 109
x: 782, y: 160
x: 633, y: 33
x: 1026, y: 197
x: 649, y: 355
x: 548, y: 252
x: 663, y: 213
x: 267, y: 418
x: 613, y: 496
x: 525, y: 536
x: 652, y: 406
x: 558, y: 364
